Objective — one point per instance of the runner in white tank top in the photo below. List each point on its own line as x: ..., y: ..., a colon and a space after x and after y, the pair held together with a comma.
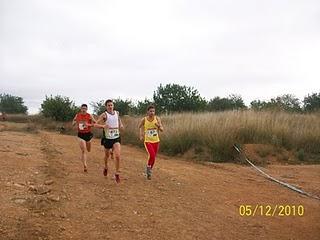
x: 112, y: 125
x: 111, y: 136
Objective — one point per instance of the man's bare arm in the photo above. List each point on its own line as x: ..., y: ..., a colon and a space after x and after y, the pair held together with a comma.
x: 93, y: 121
x: 74, y: 121
x: 101, y: 119
x: 120, y: 123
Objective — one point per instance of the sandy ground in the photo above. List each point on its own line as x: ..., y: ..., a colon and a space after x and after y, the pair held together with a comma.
x: 46, y: 195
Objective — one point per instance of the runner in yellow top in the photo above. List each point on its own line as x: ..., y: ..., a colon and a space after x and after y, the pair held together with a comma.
x: 149, y: 133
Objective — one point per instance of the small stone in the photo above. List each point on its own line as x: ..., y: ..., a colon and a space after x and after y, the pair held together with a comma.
x: 18, y: 185
x: 104, y: 207
x: 43, y: 190
x: 32, y: 188
x: 22, y: 154
x: 19, y: 200
x: 48, y: 182
x: 62, y: 228
x: 54, y: 198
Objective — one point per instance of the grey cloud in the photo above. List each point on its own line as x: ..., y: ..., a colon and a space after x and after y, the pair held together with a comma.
x: 100, y: 49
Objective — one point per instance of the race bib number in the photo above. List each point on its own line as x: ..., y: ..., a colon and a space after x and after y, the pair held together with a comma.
x: 152, y: 133
x: 112, y: 133
x: 82, y: 126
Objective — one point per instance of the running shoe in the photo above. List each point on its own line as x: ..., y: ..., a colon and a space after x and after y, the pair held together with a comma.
x: 148, y: 172
x: 117, y: 177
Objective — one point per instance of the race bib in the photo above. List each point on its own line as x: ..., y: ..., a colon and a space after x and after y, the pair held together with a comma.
x: 112, y: 133
x: 152, y: 133
x: 82, y: 126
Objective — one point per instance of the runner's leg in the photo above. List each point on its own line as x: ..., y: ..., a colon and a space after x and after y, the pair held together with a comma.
x: 106, y: 157
x: 155, y: 147
x: 88, y: 146
x: 116, y: 151
x: 82, y: 145
x: 111, y: 153
x: 151, y: 153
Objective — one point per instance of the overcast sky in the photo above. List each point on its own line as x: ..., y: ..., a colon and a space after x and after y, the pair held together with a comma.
x: 94, y: 50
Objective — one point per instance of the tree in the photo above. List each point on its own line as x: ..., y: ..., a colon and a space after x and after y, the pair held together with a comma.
x: 98, y: 107
x: 233, y: 102
x: 176, y: 98
x: 124, y: 107
x: 258, y: 105
x: 286, y: 102
x: 141, y: 107
x: 12, y: 104
x: 59, y: 108
x: 311, y: 103
x: 237, y: 101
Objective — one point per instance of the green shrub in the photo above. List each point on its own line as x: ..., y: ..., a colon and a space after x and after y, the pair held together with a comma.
x: 300, y: 154
x: 58, y: 108
x: 12, y: 104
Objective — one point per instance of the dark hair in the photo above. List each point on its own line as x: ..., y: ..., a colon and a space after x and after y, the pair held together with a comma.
x: 108, y: 101
x: 151, y: 107
x: 84, y: 105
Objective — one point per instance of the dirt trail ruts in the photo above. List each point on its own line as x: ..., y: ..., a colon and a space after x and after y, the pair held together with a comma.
x: 46, y: 195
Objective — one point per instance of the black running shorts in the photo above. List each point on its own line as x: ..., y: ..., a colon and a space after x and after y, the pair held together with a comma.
x: 85, y: 136
x: 108, y: 143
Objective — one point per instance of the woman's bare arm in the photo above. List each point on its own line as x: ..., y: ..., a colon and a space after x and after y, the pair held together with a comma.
x: 159, y: 124
x: 141, y: 130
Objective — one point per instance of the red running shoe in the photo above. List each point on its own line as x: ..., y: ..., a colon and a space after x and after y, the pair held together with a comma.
x: 117, y: 176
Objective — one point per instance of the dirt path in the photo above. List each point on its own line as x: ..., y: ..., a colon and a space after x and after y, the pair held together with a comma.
x: 45, y: 195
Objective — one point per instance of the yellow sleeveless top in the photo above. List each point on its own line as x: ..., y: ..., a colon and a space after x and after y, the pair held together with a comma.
x: 151, y: 133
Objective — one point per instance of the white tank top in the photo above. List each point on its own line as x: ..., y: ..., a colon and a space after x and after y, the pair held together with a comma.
x: 113, y: 123
x: 112, y: 120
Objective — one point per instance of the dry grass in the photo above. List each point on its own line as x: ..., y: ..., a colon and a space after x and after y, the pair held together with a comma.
x: 211, y: 136
x: 33, y: 123
x: 18, y: 118
x: 215, y: 133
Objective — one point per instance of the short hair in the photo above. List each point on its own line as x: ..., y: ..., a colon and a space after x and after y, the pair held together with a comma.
x: 84, y: 105
x: 108, y: 101
x: 151, y: 107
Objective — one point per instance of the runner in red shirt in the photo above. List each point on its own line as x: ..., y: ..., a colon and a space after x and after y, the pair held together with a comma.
x: 84, y: 123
